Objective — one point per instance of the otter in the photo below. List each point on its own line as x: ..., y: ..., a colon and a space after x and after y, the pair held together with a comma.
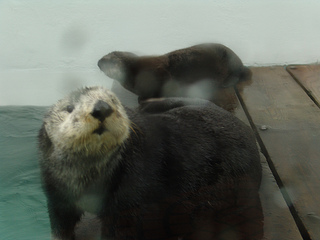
x: 101, y: 157
x: 197, y: 71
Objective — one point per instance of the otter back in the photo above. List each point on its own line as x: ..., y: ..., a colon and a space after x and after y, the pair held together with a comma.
x: 196, y: 71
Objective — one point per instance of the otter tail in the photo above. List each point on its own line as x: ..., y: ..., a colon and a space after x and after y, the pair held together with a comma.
x: 245, y: 75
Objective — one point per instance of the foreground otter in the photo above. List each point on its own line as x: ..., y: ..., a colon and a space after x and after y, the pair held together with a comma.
x: 196, y: 71
x: 122, y: 164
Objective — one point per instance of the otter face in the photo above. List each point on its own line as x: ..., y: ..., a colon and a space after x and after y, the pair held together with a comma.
x: 89, y: 121
x: 114, y: 65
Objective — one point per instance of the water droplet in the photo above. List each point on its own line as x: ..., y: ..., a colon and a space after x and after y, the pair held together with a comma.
x: 263, y: 127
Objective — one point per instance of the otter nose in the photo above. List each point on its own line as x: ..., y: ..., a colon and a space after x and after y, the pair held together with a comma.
x: 101, y: 110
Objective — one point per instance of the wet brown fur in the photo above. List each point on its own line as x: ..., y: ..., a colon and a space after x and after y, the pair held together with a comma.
x: 167, y: 75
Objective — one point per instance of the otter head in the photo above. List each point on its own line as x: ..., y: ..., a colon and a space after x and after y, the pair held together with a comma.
x: 90, y: 121
x: 117, y: 65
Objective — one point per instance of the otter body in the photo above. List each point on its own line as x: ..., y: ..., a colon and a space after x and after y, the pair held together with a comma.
x: 203, y: 67
x: 100, y: 157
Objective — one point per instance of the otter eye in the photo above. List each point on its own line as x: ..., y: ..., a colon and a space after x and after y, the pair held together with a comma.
x: 70, y: 108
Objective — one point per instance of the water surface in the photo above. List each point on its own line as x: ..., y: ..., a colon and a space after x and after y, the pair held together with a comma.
x: 23, y: 212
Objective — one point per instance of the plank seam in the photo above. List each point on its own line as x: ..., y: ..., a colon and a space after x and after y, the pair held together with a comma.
x: 308, y: 92
x: 301, y: 227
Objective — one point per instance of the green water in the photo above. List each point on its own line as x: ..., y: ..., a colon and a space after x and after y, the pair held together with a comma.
x: 23, y: 213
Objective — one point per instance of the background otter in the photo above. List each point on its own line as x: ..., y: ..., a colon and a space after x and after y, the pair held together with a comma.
x: 125, y: 165
x: 197, y: 71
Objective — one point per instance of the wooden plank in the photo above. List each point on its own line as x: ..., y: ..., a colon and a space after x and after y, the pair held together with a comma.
x: 288, y: 124
x: 309, y: 77
x: 278, y: 221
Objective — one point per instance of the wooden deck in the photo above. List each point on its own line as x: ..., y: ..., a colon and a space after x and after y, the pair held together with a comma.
x: 282, y: 107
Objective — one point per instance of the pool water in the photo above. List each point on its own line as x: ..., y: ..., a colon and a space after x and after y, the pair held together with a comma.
x: 23, y: 211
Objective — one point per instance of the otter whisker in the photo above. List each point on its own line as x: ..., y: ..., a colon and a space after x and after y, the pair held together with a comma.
x: 137, y: 128
x: 132, y: 129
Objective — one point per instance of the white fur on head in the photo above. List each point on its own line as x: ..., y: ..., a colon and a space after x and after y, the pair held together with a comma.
x: 73, y: 132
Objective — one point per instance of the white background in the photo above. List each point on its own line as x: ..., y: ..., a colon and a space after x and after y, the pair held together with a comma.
x: 50, y: 47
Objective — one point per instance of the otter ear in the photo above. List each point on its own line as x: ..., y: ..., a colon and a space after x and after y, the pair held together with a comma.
x: 44, y: 141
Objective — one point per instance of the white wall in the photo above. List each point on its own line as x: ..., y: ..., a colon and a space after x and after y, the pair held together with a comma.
x: 49, y: 47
